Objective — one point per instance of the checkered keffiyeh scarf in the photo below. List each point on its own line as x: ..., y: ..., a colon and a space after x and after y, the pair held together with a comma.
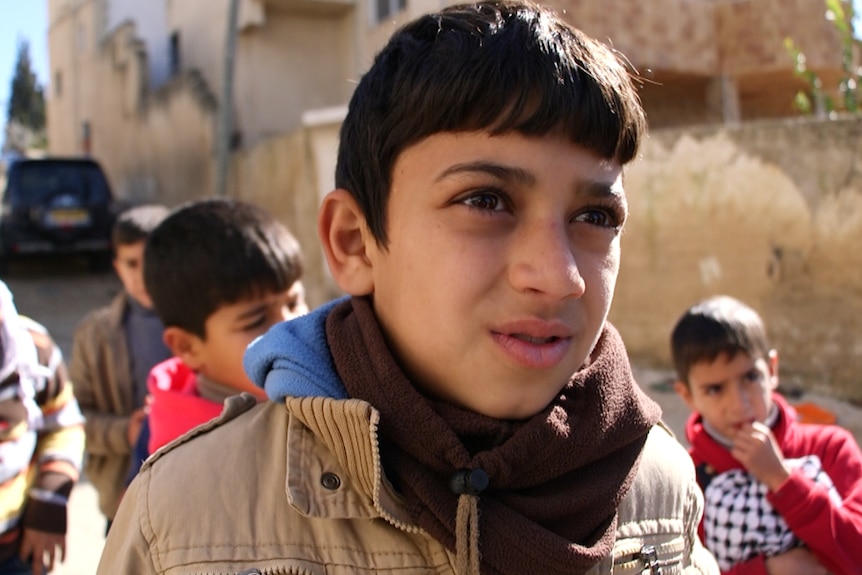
x: 739, y: 523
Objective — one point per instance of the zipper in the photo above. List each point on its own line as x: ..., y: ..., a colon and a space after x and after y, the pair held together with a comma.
x: 274, y: 571
x: 378, y: 474
x: 649, y: 557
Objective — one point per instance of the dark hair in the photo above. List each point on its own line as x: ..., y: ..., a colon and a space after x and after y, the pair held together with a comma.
x: 135, y: 224
x: 495, y: 66
x: 718, y: 325
x: 216, y: 252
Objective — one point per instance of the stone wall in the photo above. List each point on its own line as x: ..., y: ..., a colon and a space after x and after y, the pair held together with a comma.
x: 769, y: 212
x: 280, y: 175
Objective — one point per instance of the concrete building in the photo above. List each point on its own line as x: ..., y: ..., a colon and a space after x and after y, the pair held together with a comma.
x: 700, y: 60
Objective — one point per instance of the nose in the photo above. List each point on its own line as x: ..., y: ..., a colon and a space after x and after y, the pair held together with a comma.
x: 741, y: 402
x: 288, y: 312
x: 543, y: 261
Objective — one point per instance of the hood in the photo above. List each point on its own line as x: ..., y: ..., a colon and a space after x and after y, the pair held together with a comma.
x: 292, y: 359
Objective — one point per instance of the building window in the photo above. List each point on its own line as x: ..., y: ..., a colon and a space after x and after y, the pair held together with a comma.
x: 58, y: 83
x: 174, y: 53
x: 385, y: 9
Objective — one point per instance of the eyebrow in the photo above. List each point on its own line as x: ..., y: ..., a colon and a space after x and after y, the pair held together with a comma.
x: 251, y: 312
x: 588, y: 188
x: 499, y: 171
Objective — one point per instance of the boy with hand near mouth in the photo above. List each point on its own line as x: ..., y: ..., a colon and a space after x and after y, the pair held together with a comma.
x: 781, y: 497
x: 467, y: 409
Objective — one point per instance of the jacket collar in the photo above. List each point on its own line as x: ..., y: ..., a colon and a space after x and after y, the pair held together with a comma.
x: 333, y: 462
x: 117, y: 309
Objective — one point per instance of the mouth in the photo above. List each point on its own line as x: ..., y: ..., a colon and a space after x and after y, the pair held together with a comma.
x: 535, y: 340
x: 534, y: 344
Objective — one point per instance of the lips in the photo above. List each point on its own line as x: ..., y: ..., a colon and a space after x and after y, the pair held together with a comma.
x: 534, y: 344
x: 534, y: 340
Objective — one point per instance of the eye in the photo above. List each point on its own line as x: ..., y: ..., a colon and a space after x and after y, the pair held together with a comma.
x: 486, y: 201
x: 604, y: 217
x: 255, y: 323
x: 753, y: 376
x: 712, y: 389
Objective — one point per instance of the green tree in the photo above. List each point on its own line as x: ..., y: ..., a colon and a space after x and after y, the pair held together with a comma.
x: 25, y: 114
x: 27, y: 101
x: 840, y: 14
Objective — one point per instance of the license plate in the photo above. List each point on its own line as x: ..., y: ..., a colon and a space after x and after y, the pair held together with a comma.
x: 67, y: 218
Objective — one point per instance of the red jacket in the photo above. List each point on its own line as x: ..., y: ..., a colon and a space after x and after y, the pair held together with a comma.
x: 176, y: 406
x: 832, y: 532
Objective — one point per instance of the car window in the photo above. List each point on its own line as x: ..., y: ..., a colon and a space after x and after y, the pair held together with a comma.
x: 34, y: 183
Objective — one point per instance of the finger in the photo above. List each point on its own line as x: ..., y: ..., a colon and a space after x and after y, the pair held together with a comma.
x: 39, y: 552
x: 50, y: 556
x: 26, y: 549
x: 761, y: 427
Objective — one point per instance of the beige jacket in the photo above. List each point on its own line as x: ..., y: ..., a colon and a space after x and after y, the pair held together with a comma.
x: 297, y: 488
x: 101, y: 372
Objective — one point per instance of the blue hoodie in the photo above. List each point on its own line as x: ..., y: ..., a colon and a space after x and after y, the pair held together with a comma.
x: 293, y: 358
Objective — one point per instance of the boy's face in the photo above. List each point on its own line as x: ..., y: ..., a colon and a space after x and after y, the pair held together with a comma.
x: 501, y: 265
x: 731, y: 392
x: 129, y: 265
x: 232, y: 327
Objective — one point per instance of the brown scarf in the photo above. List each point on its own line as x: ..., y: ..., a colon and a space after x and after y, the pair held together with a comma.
x: 555, y: 480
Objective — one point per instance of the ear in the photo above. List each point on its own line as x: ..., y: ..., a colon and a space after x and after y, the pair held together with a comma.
x: 345, y: 238
x: 684, y: 392
x: 772, y: 361
x: 184, y: 345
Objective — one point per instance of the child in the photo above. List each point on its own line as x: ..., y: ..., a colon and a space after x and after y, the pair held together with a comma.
x: 220, y: 273
x: 468, y: 408
x: 113, y: 350
x: 781, y: 497
x: 41, y: 444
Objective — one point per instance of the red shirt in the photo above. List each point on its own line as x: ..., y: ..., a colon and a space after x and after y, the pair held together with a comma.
x: 833, y: 533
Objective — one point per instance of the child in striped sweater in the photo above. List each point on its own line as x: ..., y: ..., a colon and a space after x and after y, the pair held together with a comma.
x: 41, y: 444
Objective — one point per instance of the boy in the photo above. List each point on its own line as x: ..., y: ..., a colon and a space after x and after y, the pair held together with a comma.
x: 41, y: 445
x: 220, y: 273
x: 468, y: 408
x: 113, y: 350
x: 781, y: 497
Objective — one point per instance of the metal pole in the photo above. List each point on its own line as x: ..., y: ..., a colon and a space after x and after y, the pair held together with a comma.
x: 224, y: 126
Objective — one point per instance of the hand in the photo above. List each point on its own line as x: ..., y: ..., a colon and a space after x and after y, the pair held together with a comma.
x: 136, y: 420
x: 755, y: 447
x: 41, y: 548
x: 797, y: 561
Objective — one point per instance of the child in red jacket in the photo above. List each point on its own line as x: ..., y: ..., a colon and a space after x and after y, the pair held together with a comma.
x: 220, y: 273
x: 780, y: 496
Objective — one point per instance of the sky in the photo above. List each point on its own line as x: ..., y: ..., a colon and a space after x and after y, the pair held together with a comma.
x: 28, y: 19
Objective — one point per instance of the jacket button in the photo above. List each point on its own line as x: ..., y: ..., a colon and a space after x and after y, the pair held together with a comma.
x: 330, y: 481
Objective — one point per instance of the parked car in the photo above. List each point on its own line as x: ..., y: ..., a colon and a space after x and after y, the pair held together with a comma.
x: 56, y: 205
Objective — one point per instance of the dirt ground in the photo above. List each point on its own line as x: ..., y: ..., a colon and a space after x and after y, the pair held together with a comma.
x: 59, y: 291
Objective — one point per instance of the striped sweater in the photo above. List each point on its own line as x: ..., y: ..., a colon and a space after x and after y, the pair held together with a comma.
x: 41, y: 430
